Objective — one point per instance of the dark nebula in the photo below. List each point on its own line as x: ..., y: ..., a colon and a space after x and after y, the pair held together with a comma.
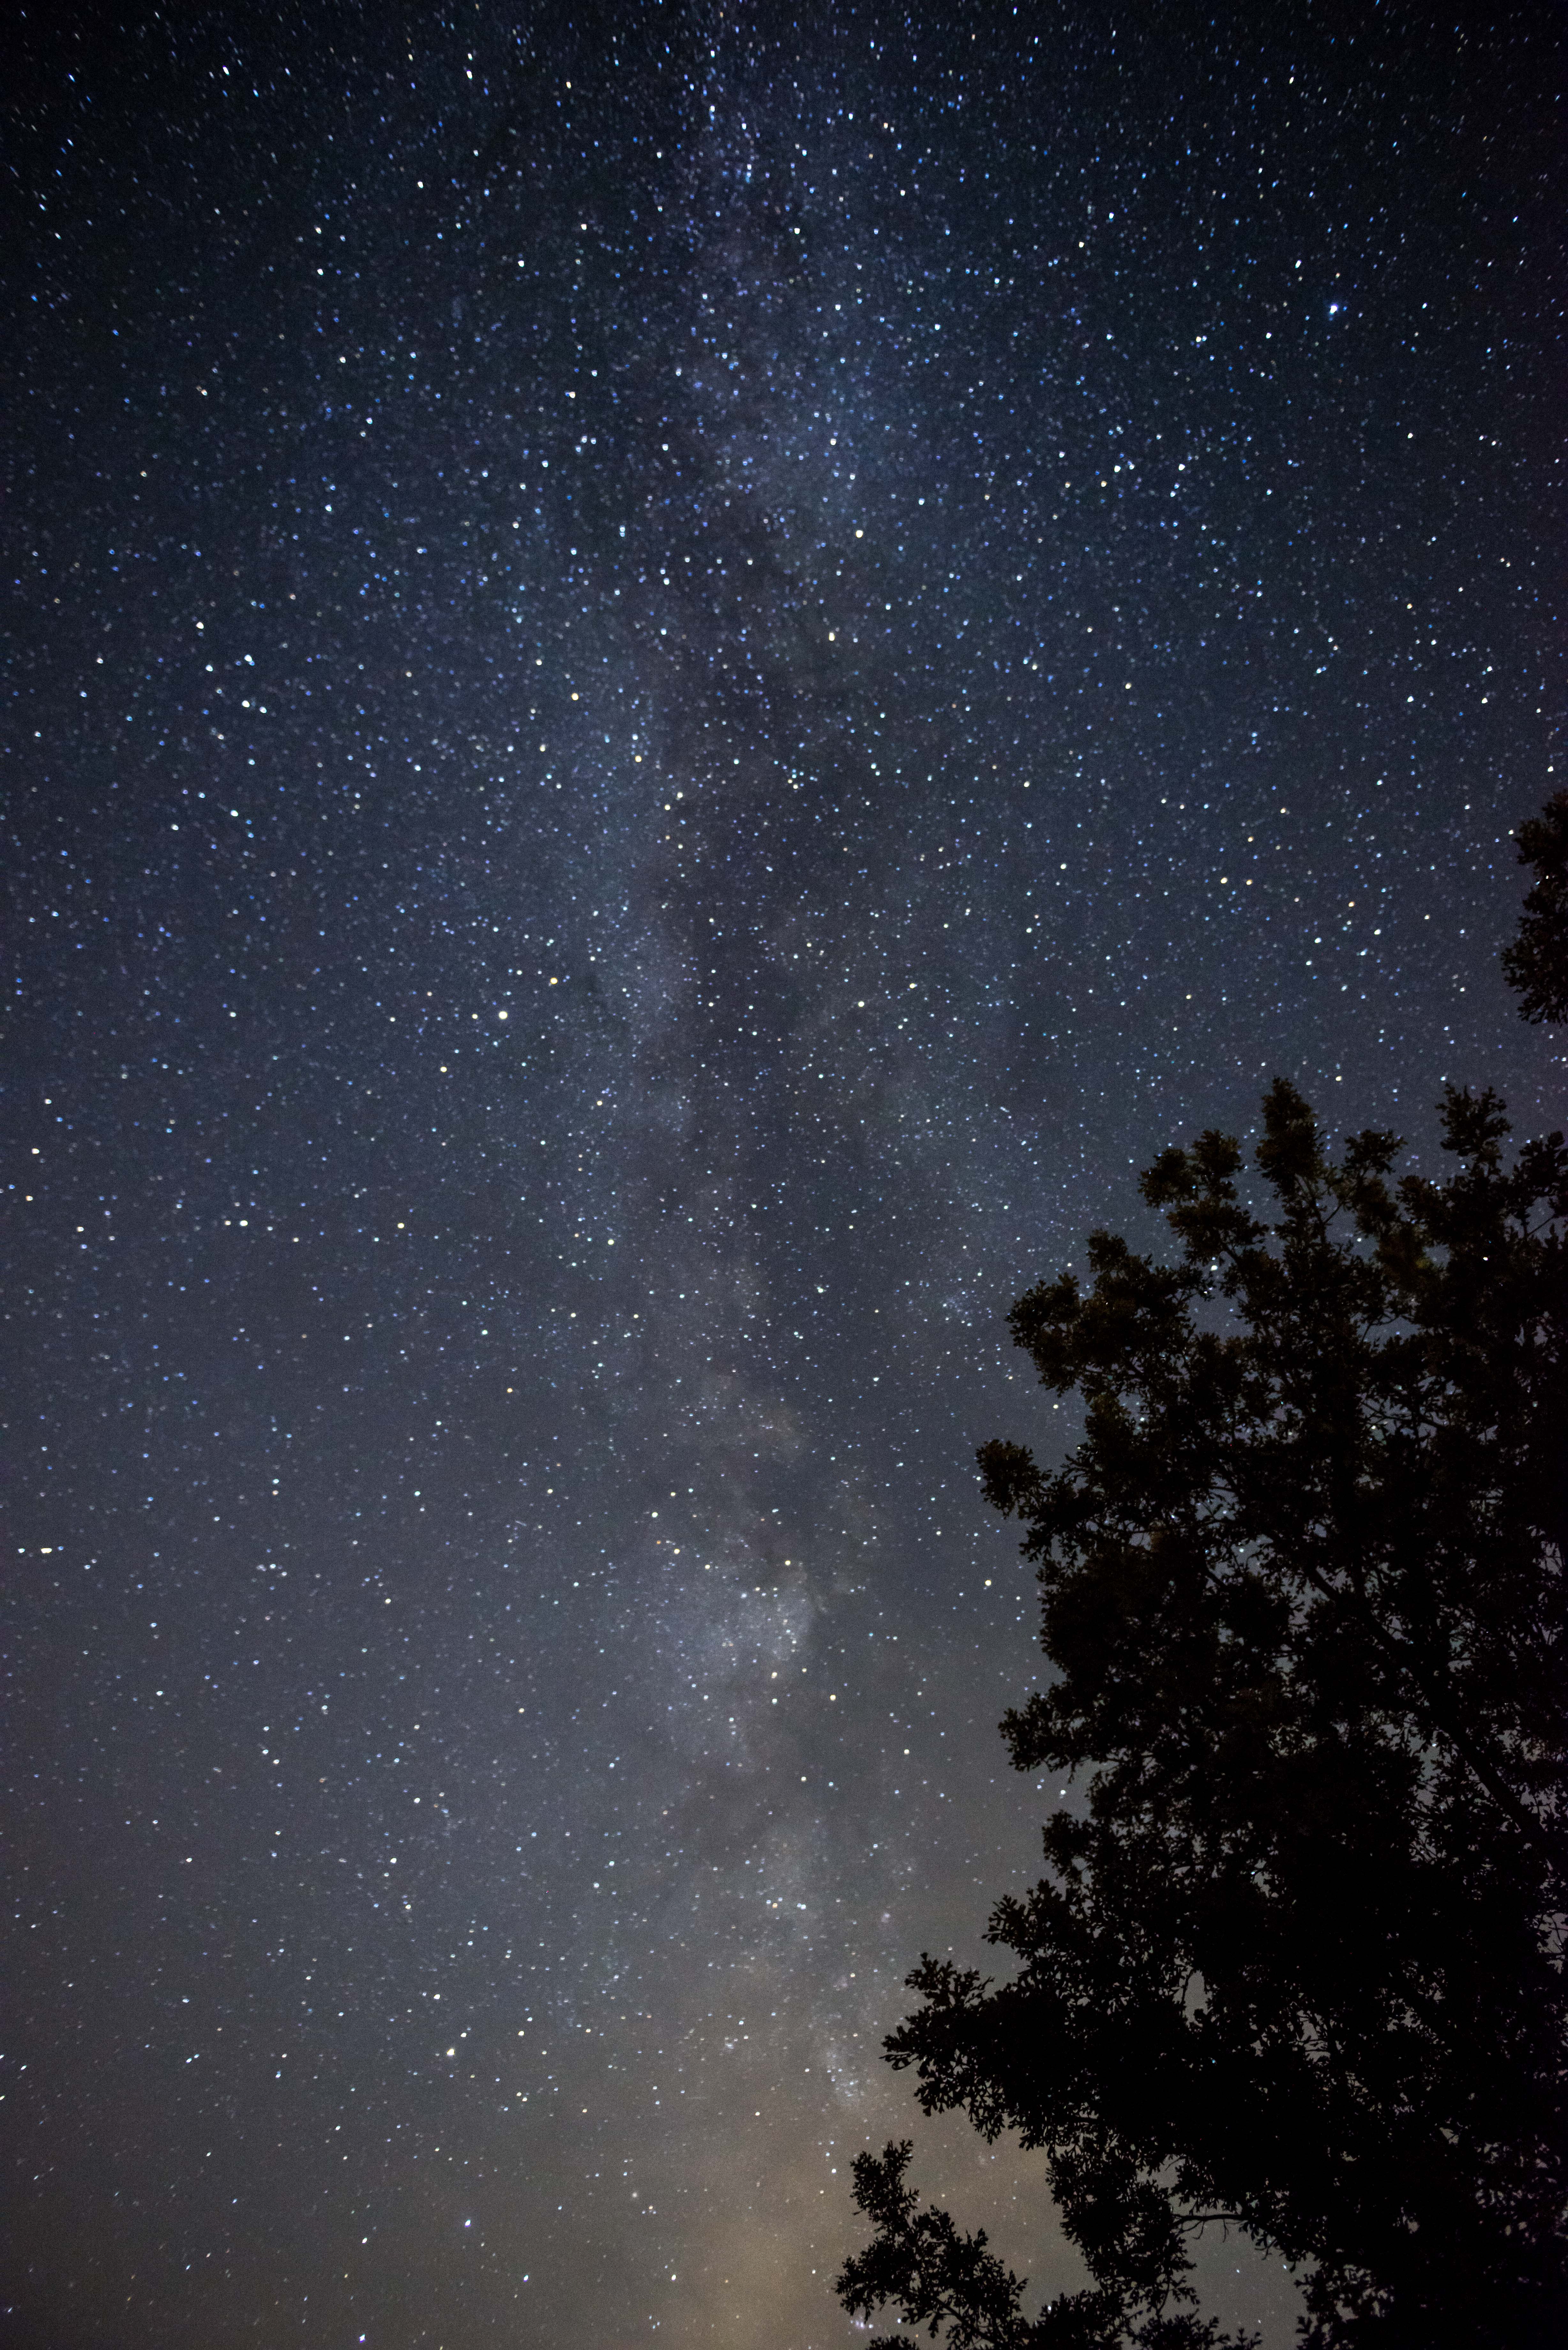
x: 678, y: 680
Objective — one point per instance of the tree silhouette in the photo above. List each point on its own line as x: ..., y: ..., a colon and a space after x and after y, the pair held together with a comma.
x: 1296, y: 1961
x: 1537, y: 962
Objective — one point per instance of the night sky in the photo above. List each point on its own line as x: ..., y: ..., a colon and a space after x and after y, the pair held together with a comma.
x: 677, y: 682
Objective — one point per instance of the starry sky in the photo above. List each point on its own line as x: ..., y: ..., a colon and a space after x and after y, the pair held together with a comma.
x: 678, y: 679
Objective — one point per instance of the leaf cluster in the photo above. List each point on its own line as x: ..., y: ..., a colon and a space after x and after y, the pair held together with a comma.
x: 1296, y: 1962
x: 942, y: 2280
x: 1536, y: 963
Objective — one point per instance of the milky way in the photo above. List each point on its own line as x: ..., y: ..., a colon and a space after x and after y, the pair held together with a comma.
x: 679, y: 682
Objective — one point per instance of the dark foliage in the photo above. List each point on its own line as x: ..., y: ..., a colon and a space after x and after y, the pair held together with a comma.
x: 1537, y: 962
x: 1296, y: 1960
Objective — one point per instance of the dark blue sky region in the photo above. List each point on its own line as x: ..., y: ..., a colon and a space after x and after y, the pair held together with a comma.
x: 678, y: 680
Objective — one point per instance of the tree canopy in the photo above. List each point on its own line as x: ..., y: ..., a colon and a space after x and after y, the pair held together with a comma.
x: 1295, y: 1963
x: 1537, y: 962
